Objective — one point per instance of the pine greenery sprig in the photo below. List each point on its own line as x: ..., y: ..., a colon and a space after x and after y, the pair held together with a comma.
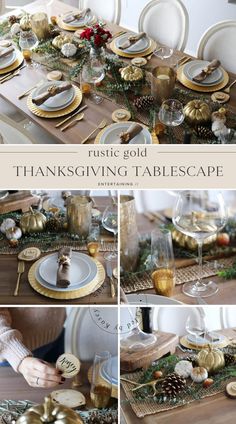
x: 228, y: 273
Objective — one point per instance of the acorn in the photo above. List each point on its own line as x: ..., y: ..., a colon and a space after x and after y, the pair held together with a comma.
x: 208, y: 382
x: 157, y: 374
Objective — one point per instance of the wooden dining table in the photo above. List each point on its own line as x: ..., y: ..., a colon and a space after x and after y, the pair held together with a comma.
x: 226, y: 294
x: 94, y: 114
x: 217, y: 409
x: 14, y: 387
x: 27, y: 296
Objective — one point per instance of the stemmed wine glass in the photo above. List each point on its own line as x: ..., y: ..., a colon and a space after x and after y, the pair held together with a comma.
x: 93, y: 73
x: 163, y: 52
x: 27, y: 42
x: 110, y: 223
x: 195, y: 325
x: 171, y: 113
x: 200, y: 214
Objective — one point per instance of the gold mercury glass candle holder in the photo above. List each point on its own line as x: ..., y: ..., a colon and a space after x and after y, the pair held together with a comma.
x: 163, y: 275
x: 40, y: 25
x: 163, y: 83
x: 129, y: 239
x: 79, y: 215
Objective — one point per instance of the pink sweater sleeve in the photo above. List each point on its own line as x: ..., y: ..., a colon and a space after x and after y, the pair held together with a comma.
x: 11, y: 347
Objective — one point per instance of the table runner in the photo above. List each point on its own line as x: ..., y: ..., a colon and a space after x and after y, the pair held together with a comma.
x: 143, y: 408
x: 135, y: 282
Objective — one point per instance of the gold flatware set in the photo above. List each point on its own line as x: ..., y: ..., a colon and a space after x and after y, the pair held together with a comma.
x: 11, y: 75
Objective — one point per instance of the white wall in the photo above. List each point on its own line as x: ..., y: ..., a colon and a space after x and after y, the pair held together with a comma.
x: 202, y: 14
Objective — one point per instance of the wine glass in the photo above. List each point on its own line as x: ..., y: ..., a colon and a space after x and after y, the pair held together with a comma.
x: 200, y: 214
x: 163, y: 52
x: 171, y: 113
x: 28, y: 41
x: 195, y: 325
x: 101, y: 388
x: 93, y: 73
x: 110, y: 223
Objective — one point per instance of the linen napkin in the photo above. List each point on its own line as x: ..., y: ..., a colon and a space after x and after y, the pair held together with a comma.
x: 6, y: 51
x: 207, y: 71
x: 76, y: 16
x: 63, y: 272
x: 52, y: 91
x: 133, y: 39
x: 133, y: 130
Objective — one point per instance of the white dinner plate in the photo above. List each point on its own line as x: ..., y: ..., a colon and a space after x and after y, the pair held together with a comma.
x: 201, y: 341
x: 83, y: 271
x: 112, y: 133
x: 151, y: 299
x: 8, y: 60
x: 194, y: 68
x: 58, y: 102
x: 138, y: 47
x: 113, y: 362
x: 80, y: 22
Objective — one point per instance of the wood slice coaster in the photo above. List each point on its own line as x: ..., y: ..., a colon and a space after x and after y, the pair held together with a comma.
x: 166, y: 343
x: 18, y: 201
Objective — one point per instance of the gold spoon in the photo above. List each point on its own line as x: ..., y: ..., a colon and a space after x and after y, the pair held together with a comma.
x: 227, y: 90
x: 79, y: 118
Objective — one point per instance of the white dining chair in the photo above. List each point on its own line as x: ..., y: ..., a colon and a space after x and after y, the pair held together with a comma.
x: 2, y: 6
x: 84, y: 336
x: 108, y: 10
x: 167, y: 22
x: 13, y: 133
x: 228, y: 315
x: 218, y: 42
x: 151, y: 200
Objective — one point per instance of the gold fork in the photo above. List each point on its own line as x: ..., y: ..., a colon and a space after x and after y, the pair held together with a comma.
x: 15, y: 74
x: 227, y: 90
x: 79, y: 118
x: 20, y: 271
x: 102, y: 125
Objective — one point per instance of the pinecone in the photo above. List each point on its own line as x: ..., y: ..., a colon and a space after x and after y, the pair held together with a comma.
x: 144, y: 102
x: 13, y: 19
x: 53, y: 225
x: 192, y: 359
x: 229, y: 359
x: 173, y: 384
x: 204, y: 132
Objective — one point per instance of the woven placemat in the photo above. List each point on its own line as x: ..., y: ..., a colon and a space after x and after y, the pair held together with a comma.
x: 136, y: 282
x: 7, y: 250
x: 143, y: 408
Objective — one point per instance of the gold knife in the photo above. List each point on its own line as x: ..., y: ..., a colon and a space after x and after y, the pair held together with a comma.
x: 20, y: 271
x: 12, y: 72
x: 71, y: 116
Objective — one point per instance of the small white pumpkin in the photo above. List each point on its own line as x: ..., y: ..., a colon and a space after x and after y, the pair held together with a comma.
x: 15, y: 29
x: 13, y: 233
x: 7, y: 224
x: 60, y: 40
x: 199, y: 374
x: 69, y: 50
x: 183, y: 368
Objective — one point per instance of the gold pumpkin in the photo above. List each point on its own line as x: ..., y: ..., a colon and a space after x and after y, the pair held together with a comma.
x: 131, y: 73
x: 197, y: 112
x: 60, y: 40
x: 32, y: 222
x: 211, y: 359
x: 49, y: 412
x: 190, y: 243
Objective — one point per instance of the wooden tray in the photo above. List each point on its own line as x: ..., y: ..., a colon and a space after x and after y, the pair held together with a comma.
x: 166, y: 343
x: 21, y: 201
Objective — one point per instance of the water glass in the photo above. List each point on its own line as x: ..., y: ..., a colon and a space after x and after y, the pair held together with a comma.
x: 93, y: 240
x: 171, y: 113
x: 163, y: 275
x: 101, y: 385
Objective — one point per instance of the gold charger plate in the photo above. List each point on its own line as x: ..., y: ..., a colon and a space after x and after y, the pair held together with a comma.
x: 184, y: 342
x: 19, y: 60
x: 121, y: 53
x: 189, y: 84
x: 114, y: 392
x: 57, y: 113
x: 98, y: 138
x: 73, y: 294
x: 62, y: 24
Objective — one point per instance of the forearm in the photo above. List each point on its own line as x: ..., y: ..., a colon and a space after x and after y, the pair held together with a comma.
x: 12, y: 348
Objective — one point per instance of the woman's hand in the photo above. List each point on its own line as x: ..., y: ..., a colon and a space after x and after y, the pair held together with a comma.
x: 39, y: 373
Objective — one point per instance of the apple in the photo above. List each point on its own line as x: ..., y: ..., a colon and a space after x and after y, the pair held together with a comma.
x: 223, y: 239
